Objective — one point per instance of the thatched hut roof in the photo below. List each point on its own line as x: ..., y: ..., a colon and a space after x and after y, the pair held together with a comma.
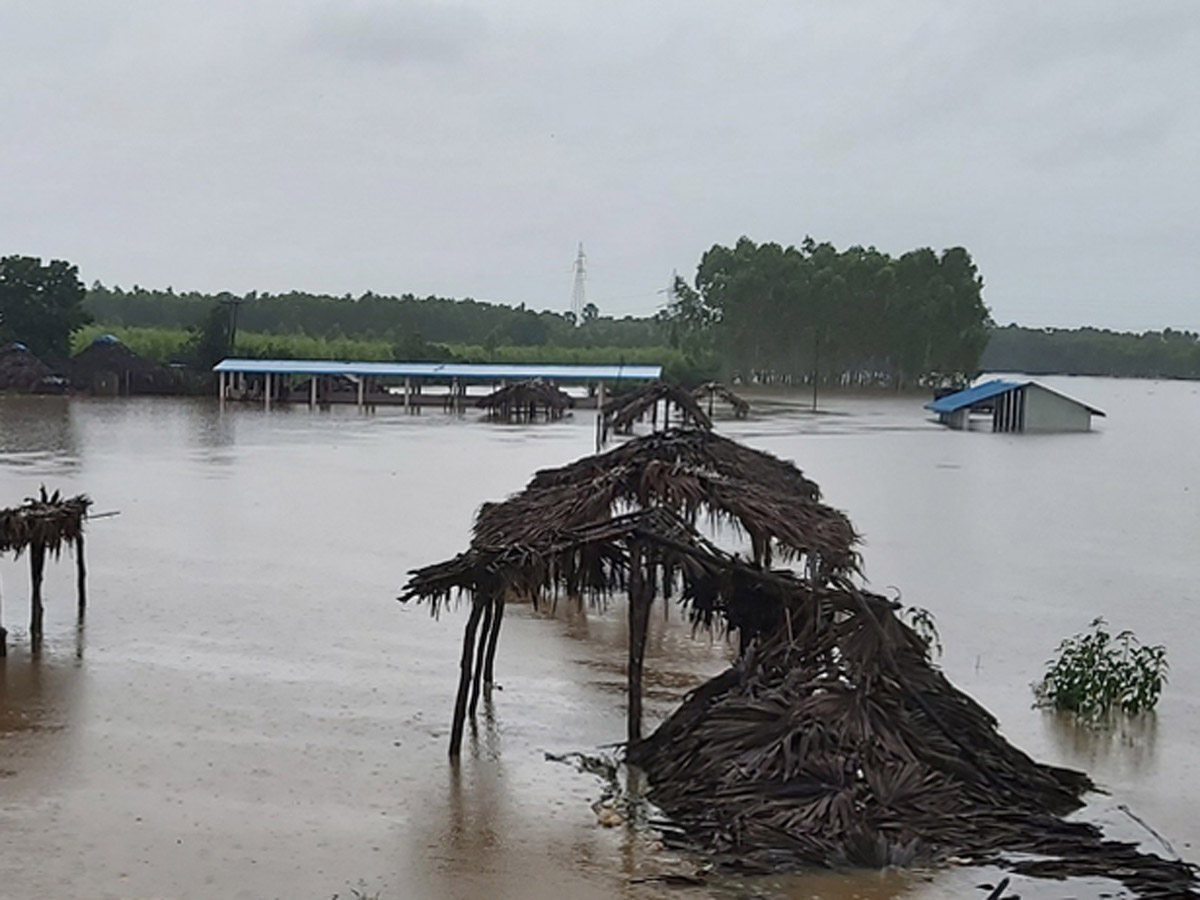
x: 48, y: 520
x: 690, y: 473
x: 711, y: 389
x: 621, y: 411
x: 108, y: 355
x: 526, y: 393
x: 20, y: 369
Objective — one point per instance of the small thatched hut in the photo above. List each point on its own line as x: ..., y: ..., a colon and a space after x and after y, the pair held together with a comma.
x: 526, y: 399
x: 108, y: 366
x: 713, y: 389
x: 619, y: 413
x: 21, y: 370
x: 833, y: 740
x: 42, y: 525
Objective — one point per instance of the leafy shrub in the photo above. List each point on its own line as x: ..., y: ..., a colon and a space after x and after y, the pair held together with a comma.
x: 1096, y: 674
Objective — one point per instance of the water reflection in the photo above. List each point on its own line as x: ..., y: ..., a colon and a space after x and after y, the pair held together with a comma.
x: 1124, y: 745
x: 37, y: 431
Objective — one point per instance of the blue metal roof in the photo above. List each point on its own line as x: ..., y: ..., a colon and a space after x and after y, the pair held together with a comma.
x: 483, y: 371
x: 989, y: 389
x: 973, y: 395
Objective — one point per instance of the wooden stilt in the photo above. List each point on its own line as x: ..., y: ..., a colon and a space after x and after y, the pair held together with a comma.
x: 639, y: 619
x: 480, y: 650
x: 80, y: 575
x: 493, y: 638
x: 464, y: 678
x: 37, y: 565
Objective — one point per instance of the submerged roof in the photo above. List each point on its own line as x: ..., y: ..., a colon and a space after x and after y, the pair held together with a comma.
x: 555, y: 371
x: 987, y: 390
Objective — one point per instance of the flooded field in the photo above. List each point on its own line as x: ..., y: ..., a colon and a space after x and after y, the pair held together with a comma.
x: 248, y: 713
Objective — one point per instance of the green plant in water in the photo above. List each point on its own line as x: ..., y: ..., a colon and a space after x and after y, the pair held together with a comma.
x: 1097, y: 673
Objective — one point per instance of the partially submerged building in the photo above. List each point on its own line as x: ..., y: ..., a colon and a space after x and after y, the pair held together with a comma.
x: 1015, y: 406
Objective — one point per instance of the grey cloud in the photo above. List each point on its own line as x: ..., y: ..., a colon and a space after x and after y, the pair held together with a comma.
x: 411, y: 32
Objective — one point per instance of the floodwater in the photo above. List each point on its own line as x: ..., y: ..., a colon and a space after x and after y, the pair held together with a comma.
x: 248, y: 713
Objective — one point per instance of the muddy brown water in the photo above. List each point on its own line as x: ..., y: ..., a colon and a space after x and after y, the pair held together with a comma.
x: 247, y: 713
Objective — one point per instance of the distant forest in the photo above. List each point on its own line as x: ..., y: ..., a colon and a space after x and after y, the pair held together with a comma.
x: 760, y: 312
x: 1093, y: 351
x: 372, y: 316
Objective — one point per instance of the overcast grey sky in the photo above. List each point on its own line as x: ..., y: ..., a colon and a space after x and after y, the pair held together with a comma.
x: 463, y: 149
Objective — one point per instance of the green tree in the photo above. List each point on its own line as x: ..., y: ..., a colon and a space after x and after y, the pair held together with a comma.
x: 41, y: 305
x: 209, y: 342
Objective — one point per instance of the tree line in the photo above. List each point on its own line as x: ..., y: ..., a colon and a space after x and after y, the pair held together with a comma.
x: 404, y: 318
x: 815, y: 313
x: 1093, y: 351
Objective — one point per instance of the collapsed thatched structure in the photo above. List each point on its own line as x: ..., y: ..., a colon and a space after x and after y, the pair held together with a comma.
x: 42, y: 525
x: 618, y: 414
x: 524, y: 399
x: 713, y: 389
x: 107, y: 366
x: 833, y: 740
x: 21, y: 370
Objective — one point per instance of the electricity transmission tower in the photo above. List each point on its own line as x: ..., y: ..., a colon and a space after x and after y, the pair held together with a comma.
x: 579, y: 290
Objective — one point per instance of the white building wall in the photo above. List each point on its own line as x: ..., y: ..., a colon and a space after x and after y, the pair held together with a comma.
x: 1047, y: 411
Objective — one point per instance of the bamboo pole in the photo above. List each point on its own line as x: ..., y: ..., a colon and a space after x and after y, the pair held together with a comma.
x: 80, y: 575
x: 464, y: 678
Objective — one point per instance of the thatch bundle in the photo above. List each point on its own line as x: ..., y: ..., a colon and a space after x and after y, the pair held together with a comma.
x: 711, y: 389
x: 523, y: 399
x: 20, y: 369
x: 106, y: 357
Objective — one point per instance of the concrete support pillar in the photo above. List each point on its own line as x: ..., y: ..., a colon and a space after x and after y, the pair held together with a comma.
x: 221, y: 389
x: 361, y: 387
x: 312, y: 392
x: 267, y: 387
x: 407, y: 391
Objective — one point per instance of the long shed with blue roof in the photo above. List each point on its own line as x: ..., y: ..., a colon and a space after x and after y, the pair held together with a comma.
x: 1015, y: 406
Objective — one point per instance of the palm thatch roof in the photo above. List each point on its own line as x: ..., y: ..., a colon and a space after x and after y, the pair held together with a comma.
x: 690, y: 473
x: 524, y: 395
x: 47, y: 521
x: 20, y: 369
x: 621, y: 411
x: 711, y: 389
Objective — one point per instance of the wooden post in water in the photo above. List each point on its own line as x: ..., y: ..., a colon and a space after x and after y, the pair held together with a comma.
x: 493, y: 637
x: 464, y: 677
x: 80, y: 575
x: 37, y: 565
x: 639, y: 619
x: 480, y: 650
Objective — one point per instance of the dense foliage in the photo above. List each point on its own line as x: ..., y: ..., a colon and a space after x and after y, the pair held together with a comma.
x: 433, y: 319
x: 1093, y: 351
x: 1097, y: 673
x: 856, y: 316
x: 41, y: 306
